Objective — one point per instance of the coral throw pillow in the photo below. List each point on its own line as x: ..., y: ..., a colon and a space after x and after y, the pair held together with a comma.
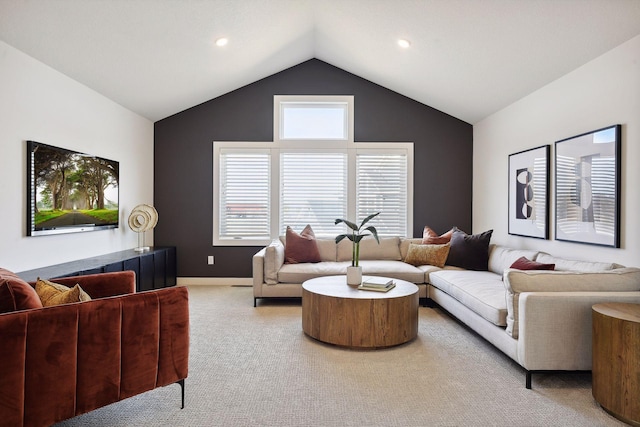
x: 470, y: 251
x: 524, y: 263
x: 55, y: 294
x: 430, y: 237
x: 16, y: 294
x: 301, y: 247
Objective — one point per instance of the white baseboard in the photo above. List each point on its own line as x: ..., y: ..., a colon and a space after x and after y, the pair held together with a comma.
x: 215, y: 281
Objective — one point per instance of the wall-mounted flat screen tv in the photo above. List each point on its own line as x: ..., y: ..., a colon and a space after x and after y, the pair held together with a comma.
x: 69, y: 192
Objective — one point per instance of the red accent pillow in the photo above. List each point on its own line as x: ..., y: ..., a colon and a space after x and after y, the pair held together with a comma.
x: 430, y: 237
x: 16, y: 294
x: 523, y: 263
x: 301, y: 247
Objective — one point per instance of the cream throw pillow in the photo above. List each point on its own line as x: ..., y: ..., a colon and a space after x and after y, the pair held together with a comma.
x: 55, y: 294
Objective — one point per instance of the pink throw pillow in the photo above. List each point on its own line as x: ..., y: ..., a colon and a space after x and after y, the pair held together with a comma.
x: 301, y: 247
x: 430, y: 237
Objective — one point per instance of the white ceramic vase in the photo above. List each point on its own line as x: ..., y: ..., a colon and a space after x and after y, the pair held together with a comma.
x: 354, y: 276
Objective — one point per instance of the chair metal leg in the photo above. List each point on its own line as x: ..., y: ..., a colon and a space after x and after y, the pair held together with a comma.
x: 181, y: 382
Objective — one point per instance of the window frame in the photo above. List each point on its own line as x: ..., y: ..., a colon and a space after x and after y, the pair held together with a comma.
x: 218, y: 214
x: 280, y: 101
x: 312, y: 145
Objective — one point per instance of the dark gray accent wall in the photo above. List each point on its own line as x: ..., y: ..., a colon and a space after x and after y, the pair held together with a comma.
x: 183, y: 150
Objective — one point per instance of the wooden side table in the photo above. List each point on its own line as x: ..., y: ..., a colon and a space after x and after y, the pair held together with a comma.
x: 616, y: 360
x: 336, y: 313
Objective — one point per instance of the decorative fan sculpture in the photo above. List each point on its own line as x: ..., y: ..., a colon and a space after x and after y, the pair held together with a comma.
x: 142, y: 218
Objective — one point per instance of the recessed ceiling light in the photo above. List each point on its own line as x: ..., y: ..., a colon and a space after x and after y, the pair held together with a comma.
x: 222, y: 41
x: 404, y: 43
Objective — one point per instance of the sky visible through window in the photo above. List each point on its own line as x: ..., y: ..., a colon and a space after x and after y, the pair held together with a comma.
x: 309, y: 121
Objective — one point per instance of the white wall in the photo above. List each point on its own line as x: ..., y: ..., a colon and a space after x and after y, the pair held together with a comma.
x: 41, y: 104
x: 603, y: 92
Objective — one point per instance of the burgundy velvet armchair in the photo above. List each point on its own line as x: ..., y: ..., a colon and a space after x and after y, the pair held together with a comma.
x: 62, y: 361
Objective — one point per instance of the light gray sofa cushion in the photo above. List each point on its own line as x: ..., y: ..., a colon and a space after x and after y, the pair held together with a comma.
x: 480, y: 291
x: 428, y: 269
x: 563, y: 264
x: 517, y: 281
x: 501, y: 258
x: 394, y: 269
x: 404, y: 246
x: 389, y: 249
x: 327, y: 249
x: 298, y: 273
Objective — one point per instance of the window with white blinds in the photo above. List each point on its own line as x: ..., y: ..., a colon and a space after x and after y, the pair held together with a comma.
x: 382, y: 187
x: 244, y: 197
x: 311, y: 173
x: 313, y: 190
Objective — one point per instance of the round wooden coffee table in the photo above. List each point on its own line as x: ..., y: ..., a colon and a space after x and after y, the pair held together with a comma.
x: 336, y: 313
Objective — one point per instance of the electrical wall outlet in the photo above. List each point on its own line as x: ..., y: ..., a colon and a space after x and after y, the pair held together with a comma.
x: 210, y: 260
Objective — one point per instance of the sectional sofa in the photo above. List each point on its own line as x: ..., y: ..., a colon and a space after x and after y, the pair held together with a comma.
x: 539, y: 318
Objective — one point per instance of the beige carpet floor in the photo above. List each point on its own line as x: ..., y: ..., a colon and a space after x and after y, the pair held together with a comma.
x: 255, y: 367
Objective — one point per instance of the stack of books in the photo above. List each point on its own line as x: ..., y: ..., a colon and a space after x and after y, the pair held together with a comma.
x: 378, y: 284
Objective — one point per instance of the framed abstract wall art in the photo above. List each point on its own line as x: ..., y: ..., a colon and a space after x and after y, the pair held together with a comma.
x: 529, y: 193
x: 587, y: 187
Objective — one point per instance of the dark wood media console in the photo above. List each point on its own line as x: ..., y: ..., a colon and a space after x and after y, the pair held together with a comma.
x: 155, y: 268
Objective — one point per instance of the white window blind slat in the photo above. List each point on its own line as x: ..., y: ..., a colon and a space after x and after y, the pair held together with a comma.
x: 381, y: 181
x: 244, y: 195
x: 313, y: 190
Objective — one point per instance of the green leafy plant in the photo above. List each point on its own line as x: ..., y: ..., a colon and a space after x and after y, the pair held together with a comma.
x: 357, y: 234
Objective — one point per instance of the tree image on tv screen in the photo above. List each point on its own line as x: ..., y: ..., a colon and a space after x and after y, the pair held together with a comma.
x: 73, y: 189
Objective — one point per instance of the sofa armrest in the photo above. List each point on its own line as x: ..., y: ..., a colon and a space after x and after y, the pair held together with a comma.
x: 555, y: 328
x: 258, y: 271
x: 266, y: 264
x: 520, y: 281
x: 273, y: 261
x: 102, y: 285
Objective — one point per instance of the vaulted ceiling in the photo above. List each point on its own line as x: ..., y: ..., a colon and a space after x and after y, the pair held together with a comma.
x: 468, y: 58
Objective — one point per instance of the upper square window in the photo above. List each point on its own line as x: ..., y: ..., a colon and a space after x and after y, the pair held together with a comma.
x: 300, y: 118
